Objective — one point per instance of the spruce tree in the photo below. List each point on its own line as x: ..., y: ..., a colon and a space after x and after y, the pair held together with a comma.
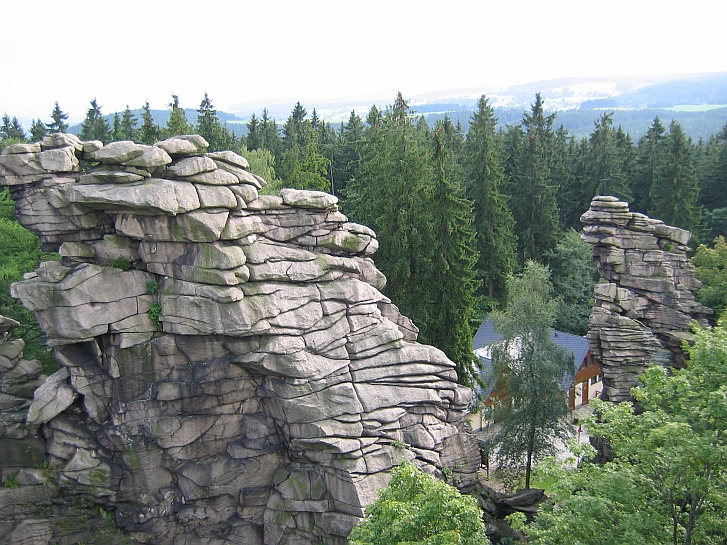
x: 128, y: 125
x: 11, y: 129
x: 391, y: 194
x: 453, y: 275
x: 149, y: 132
x: 269, y: 135
x: 116, y: 128
x: 675, y: 191
x: 177, y: 123
x: 347, y: 155
x: 38, y: 130
x: 95, y: 126
x: 493, y: 222
x: 650, y: 150
x: 532, y: 194
x: 253, y: 140
x: 713, y: 172
x: 605, y: 174
x: 58, y: 123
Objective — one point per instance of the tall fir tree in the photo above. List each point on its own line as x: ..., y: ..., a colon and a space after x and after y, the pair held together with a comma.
x: 532, y: 194
x: 713, y: 172
x: 605, y: 175
x: 493, y: 222
x: 149, y: 131
x: 177, y: 123
x: 453, y: 274
x: 95, y: 126
x: 11, y: 129
x: 128, y: 125
x: 269, y: 135
x: 675, y: 192
x: 650, y: 151
x: 348, y: 152
x: 58, y: 120
x: 116, y: 128
x: 38, y: 130
x: 253, y: 140
x: 391, y: 194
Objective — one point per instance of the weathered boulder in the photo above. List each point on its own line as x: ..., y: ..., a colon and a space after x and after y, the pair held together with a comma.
x: 230, y: 371
x: 643, y: 309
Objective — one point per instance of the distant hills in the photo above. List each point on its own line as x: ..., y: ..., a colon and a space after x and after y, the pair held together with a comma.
x: 697, y: 101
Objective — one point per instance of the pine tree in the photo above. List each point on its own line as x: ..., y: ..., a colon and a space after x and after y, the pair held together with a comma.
x: 149, y: 132
x: 650, y: 150
x: 116, y: 128
x: 348, y: 152
x: 37, y: 130
x: 269, y: 135
x: 177, y: 123
x: 532, y: 411
x: 95, y: 126
x: 11, y: 129
x: 453, y: 266
x: 128, y: 125
x: 675, y: 191
x: 295, y: 127
x: 605, y: 175
x: 58, y: 123
x: 532, y: 194
x: 713, y: 172
x: 391, y: 194
x: 253, y: 140
x: 493, y: 222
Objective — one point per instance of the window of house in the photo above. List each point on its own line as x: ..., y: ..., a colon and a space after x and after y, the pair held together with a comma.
x: 596, y: 379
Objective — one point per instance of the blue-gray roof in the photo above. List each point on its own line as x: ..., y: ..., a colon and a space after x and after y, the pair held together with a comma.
x: 576, y: 345
x: 486, y: 335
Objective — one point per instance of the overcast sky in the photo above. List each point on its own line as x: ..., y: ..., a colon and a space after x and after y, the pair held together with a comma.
x: 130, y: 51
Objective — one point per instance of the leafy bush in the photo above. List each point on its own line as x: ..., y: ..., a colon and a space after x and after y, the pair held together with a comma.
x: 417, y: 509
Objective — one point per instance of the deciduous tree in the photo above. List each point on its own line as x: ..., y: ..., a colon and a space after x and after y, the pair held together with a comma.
x: 535, y: 373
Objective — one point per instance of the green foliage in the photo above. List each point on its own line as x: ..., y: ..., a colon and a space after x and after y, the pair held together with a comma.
x: 711, y: 268
x: 666, y: 482
x: 177, y: 123
x: 11, y: 482
x: 417, y: 509
x: 574, y: 276
x: 95, y: 126
x: 155, y: 313
x: 531, y: 409
x: 149, y: 132
x: 493, y: 221
x: 152, y: 287
x: 20, y: 252
x: 532, y: 194
x: 122, y: 263
x: 675, y: 190
x: 58, y: 120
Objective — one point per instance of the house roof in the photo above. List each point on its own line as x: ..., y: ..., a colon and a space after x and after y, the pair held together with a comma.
x: 576, y: 345
x: 486, y: 335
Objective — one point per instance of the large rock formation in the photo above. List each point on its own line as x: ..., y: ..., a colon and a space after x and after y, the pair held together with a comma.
x: 644, y: 307
x: 231, y: 372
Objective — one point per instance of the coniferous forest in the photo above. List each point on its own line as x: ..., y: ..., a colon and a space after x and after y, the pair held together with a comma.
x: 461, y: 216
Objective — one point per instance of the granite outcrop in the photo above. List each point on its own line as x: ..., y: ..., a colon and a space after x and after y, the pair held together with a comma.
x: 230, y: 371
x: 645, y: 302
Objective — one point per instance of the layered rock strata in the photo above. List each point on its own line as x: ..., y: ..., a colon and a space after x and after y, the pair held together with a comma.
x: 231, y: 372
x: 645, y: 303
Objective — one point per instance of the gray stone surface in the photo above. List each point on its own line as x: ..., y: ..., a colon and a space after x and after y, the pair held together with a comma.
x: 244, y: 380
x: 646, y: 302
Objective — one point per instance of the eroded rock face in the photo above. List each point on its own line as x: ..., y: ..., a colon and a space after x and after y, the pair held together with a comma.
x: 643, y: 309
x: 231, y: 372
